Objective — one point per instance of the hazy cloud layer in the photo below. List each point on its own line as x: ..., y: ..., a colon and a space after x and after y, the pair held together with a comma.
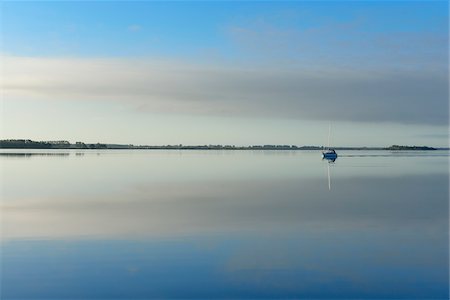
x: 151, y: 85
x: 343, y: 44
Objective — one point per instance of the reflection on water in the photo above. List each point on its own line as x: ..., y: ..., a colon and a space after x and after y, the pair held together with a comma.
x: 330, y: 162
x: 204, y: 224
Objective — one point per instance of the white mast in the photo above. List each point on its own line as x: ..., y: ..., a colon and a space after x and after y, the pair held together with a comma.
x: 329, y: 135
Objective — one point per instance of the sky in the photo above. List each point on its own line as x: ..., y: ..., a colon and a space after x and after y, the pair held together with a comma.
x: 226, y: 72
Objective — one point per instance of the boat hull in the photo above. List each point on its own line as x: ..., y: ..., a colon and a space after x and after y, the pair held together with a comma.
x: 329, y: 155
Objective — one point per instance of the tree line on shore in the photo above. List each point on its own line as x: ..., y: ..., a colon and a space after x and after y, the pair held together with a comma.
x: 29, y: 144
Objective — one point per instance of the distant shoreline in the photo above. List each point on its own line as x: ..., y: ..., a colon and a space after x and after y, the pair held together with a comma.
x: 61, y: 145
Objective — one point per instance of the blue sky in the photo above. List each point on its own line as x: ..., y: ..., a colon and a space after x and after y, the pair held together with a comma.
x: 184, y: 28
x: 226, y: 72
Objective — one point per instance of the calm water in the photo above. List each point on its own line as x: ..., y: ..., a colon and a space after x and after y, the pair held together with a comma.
x: 205, y: 224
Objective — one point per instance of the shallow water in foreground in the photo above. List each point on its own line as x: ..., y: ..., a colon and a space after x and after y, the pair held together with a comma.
x: 228, y: 224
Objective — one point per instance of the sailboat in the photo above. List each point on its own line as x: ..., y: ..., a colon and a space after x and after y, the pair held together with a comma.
x: 329, y: 153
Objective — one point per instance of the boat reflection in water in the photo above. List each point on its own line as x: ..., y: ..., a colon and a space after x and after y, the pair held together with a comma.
x: 330, y: 159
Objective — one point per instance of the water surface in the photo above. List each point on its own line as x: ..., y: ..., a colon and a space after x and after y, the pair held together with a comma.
x: 223, y: 224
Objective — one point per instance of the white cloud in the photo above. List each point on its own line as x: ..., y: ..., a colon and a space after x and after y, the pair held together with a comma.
x: 134, y: 27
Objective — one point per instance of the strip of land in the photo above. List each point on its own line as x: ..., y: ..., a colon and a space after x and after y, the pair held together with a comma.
x: 29, y: 144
